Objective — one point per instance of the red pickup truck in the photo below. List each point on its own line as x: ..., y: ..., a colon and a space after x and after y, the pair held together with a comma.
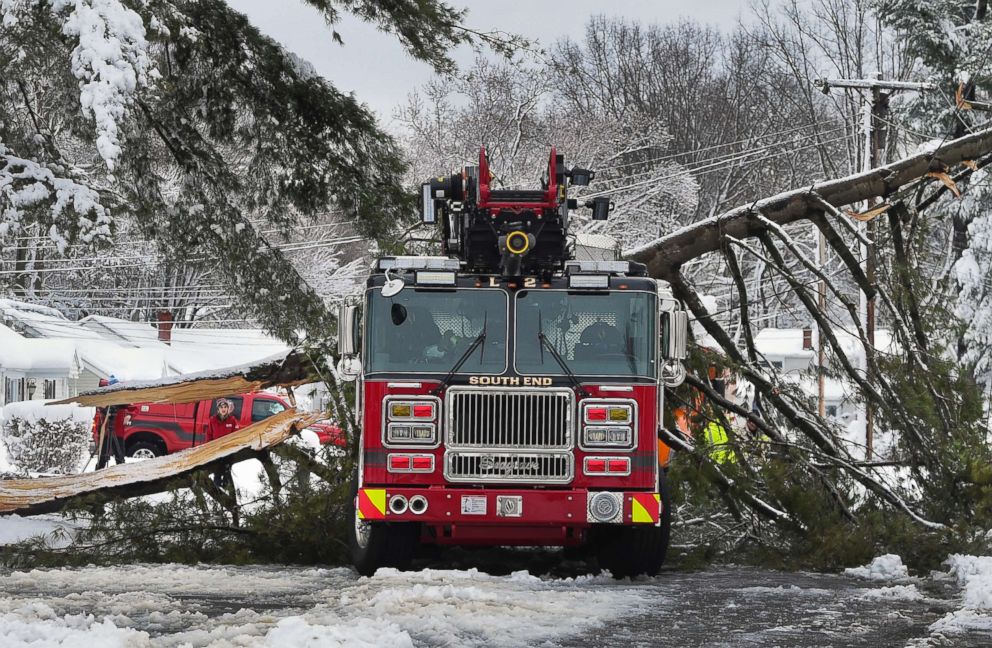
x: 153, y: 429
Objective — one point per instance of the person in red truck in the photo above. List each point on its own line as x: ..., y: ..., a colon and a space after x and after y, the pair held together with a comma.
x: 222, y: 424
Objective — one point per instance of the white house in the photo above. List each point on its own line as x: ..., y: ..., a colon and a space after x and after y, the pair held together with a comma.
x: 45, y: 355
x: 35, y: 369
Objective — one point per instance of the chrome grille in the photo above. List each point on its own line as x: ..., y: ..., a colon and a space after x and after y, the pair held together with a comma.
x: 545, y: 467
x: 519, y: 419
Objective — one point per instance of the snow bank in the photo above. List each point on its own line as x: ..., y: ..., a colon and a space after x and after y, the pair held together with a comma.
x: 888, y: 567
x: 974, y: 576
x: 70, y: 630
x: 36, y: 410
x: 57, y: 532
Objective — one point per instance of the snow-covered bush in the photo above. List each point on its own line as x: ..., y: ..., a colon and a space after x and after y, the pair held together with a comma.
x: 45, y: 439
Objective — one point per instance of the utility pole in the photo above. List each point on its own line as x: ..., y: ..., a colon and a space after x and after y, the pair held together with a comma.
x: 874, y: 112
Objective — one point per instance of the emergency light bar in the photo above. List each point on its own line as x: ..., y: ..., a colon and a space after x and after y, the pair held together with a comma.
x: 435, y: 278
x: 418, y: 263
x: 607, y: 267
x: 601, y: 281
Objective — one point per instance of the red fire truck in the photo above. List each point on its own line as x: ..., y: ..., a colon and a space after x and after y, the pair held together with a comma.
x: 510, y: 395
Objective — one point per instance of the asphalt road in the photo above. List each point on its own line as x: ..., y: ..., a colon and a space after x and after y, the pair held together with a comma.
x: 488, y: 600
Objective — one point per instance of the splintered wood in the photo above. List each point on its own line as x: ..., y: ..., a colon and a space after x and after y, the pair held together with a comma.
x: 47, y: 494
x: 293, y: 368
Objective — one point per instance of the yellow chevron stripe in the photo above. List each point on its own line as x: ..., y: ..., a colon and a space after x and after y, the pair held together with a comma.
x: 377, y: 498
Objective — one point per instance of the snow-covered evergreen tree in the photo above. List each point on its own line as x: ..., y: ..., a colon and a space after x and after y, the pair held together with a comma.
x: 183, y: 118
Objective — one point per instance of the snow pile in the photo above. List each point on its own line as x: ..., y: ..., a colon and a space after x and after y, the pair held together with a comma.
x: 974, y: 576
x: 27, y: 630
x: 894, y: 593
x: 887, y: 567
x: 42, y: 439
x: 363, y: 633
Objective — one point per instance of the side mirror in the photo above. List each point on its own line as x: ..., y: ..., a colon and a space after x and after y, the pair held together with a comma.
x: 347, y: 329
x: 675, y: 332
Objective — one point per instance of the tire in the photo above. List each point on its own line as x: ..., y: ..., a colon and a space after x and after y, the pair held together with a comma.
x: 629, y: 551
x: 380, y: 544
x: 144, y: 450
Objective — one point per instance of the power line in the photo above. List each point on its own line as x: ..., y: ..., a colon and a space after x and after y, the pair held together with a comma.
x: 701, y: 170
x: 715, y: 146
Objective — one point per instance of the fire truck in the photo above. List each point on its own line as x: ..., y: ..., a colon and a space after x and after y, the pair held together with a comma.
x: 509, y: 394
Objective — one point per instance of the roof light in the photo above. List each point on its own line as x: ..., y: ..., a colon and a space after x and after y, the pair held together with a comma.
x: 435, y: 278
x: 588, y: 281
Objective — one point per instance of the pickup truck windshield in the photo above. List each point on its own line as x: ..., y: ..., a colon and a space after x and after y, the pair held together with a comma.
x: 418, y: 331
x: 596, y: 334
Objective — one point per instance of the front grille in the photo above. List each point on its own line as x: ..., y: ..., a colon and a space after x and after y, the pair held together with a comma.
x: 546, y: 468
x: 507, y: 418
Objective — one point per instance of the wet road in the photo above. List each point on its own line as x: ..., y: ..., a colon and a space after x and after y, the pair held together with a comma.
x: 493, y: 603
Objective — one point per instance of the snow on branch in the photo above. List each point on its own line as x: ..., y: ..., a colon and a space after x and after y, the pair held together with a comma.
x: 74, y: 209
x: 111, y: 61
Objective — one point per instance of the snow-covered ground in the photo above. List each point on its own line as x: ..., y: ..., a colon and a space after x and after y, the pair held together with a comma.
x: 160, y: 606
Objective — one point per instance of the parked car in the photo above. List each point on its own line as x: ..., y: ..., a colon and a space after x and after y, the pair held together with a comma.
x: 155, y: 429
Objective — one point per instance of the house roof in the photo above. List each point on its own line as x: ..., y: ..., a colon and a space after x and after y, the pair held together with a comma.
x: 19, y: 353
x: 125, y: 349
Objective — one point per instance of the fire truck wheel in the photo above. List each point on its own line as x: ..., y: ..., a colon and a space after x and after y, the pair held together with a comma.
x: 380, y: 544
x: 144, y: 450
x: 629, y: 551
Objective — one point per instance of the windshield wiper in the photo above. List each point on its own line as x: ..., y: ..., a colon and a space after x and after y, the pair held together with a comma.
x: 561, y: 363
x: 464, y: 357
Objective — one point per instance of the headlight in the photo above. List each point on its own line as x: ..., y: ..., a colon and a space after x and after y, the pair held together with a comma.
x: 609, y: 437
x: 606, y: 423
x: 411, y: 421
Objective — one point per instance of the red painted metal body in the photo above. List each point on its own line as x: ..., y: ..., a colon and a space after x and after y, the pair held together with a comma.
x: 550, y: 515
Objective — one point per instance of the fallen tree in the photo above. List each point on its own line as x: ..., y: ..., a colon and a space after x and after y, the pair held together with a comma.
x: 914, y: 392
x: 282, y: 370
x: 48, y: 494
x: 665, y: 255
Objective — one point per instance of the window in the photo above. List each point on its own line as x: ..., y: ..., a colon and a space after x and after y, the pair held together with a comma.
x: 428, y: 331
x: 831, y: 410
x: 777, y: 364
x: 263, y: 408
x: 599, y: 334
x: 237, y: 401
x: 13, y: 390
x: 49, y: 389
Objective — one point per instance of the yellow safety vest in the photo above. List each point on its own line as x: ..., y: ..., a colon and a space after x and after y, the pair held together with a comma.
x: 720, y: 450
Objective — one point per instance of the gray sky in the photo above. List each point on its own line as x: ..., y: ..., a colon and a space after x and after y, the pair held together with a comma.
x: 378, y: 71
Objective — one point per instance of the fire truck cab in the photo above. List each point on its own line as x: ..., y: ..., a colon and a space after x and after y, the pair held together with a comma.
x: 510, y: 396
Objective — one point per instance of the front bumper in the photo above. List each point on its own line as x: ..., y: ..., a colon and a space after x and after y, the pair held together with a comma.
x: 501, y: 507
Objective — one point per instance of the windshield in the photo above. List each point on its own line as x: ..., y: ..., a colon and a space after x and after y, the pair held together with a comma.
x: 602, y: 334
x: 428, y: 331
